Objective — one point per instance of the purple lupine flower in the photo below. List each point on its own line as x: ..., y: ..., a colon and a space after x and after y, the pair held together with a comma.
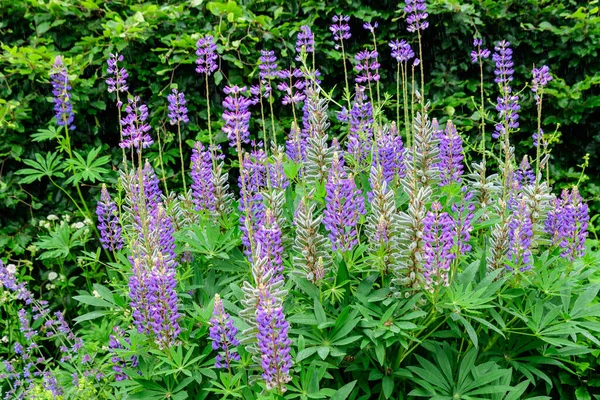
x: 480, y: 54
x: 340, y: 29
x: 222, y: 332
x: 504, y: 64
x: 292, y: 86
x: 119, y: 82
x: 451, y: 156
x: 508, y: 108
x: 254, y: 173
x: 361, y: 121
x: 277, y: 177
x: 236, y: 115
x: 269, y: 245
x: 519, y: 236
x: 390, y: 155
x: 438, y: 240
x: 108, y: 222
x: 207, y: 55
x: 119, y: 363
x: 416, y: 11
x: 273, y: 343
x: 541, y: 77
x: 268, y: 65
x: 296, y: 145
x: 367, y: 67
x: 524, y: 174
x: 162, y: 298
x: 61, y: 90
x: 135, y: 128
x: 305, y: 42
x: 177, y: 109
x: 202, y: 185
x: 401, y: 50
x: 9, y: 281
x: 263, y: 89
x: 344, y: 206
x: 370, y: 27
x: 568, y: 222
x: 465, y: 211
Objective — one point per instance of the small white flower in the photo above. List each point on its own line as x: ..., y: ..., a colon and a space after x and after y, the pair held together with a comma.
x: 4, y: 339
x: 52, y: 275
x: 11, y: 268
x: 67, y: 217
x: 51, y: 217
x: 77, y: 225
x: 88, y: 221
x: 96, y: 294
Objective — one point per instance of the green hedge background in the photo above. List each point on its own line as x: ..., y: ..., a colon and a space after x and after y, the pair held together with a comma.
x: 158, y: 42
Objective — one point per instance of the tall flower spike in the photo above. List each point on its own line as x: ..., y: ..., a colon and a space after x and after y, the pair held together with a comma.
x: 207, y: 55
x: 390, y: 153
x: 451, y: 156
x: 508, y: 104
x: 292, y: 86
x: 135, y: 128
x: 519, y: 235
x: 416, y: 11
x: 340, y: 29
x: 268, y: 65
x: 108, y: 222
x: 568, y: 222
x: 223, y: 333
x: 202, y: 185
x: 61, y: 90
x: 480, y: 54
x: 177, y: 109
x: 367, y: 66
x: 360, y: 118
x: 269, y: 242
x: 464, y: 212
x: 305, y: 42
x: 401, y: 50
x: 541, y: 77
x: 119, y: 82
x: 273, y: 343
x: 438, y: 240
x: 236, y: 115
x: 344, y: 206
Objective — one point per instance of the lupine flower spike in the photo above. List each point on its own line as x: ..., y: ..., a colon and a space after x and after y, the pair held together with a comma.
x: 61, y: 90
x: 223, y: 333
x: 108, y: 222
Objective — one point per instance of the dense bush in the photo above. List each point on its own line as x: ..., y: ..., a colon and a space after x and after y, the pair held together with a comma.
x: 358, y: 224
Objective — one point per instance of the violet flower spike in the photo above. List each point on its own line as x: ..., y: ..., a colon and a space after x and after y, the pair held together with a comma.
x: 177, y: 109
x: 416, y: 11
x: 438, y: 240
x: 567, y: 223
x: 61, y: 90
x: 305, y: 42
x: 451, y: 156
x: 541, y: 77
x: 108, y: 222
x: 340, y: 29
x: 370, y: 27
x: 508, y: 104
x: 268, y: 65
x: 292, y: 85
x: 519, y: 235
x: 207, y: 55
x: 480, y: 54
x: 273, y: 343
x: 119, y: 82
x: 401, y: 50
x: 135, y: 128
x: 368, y: 66
x: 202, y: 184
x: 236, y: 115
x: 223, y: 333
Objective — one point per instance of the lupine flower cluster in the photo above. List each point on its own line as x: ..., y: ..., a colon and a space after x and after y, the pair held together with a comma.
x: 119, y: 82
x: 438, y: 239
x: 135, y: 127
x: 108, y: 222
x: 360, y: 119
x: 236, y: 115
x: 340, y: 29
x: 305, y: 41
x: 118, y: 341
x: 480, y: 54
x: 451, y: 156
x: 568, y: 222
x: 177, y: 109
x: 206, y: 50
x: 508, y: 103
x: 367, y: 66
x: 61, y: 90
x: 416, y: 11
x: 401, y: 51
x: 223, y: 335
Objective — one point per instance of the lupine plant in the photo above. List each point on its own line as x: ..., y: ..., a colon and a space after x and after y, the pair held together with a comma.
x: 388, y: 259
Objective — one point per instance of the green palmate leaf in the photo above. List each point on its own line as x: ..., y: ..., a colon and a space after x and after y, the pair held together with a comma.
x: 87, y: 169
x: 42, y: 167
